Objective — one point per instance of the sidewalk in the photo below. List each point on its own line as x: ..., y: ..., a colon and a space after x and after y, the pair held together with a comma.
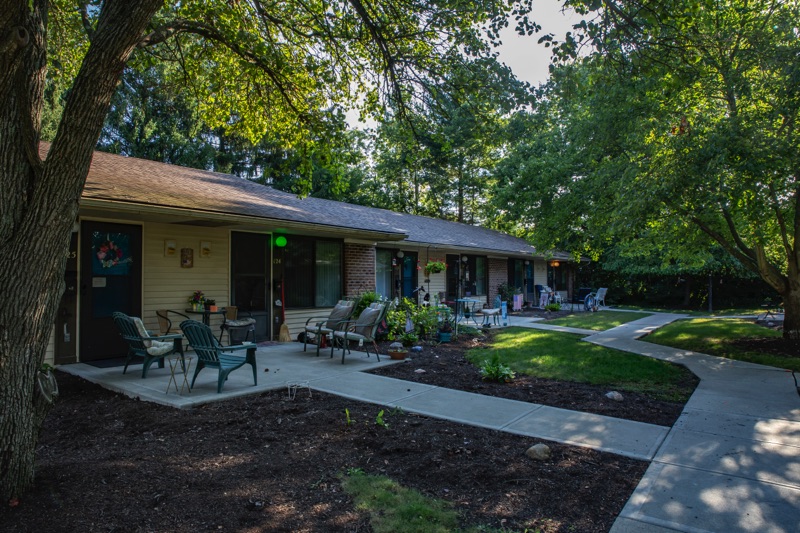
x: 732, y: 460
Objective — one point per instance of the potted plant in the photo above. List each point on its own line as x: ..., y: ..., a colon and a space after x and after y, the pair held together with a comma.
x: 211, y: 305
x: 445, y: 331
x: 434, y: 266
x: 197, y: 300
x: 397, y: 351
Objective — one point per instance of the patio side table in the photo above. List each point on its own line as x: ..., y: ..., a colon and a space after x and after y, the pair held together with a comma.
x: 174, y: 362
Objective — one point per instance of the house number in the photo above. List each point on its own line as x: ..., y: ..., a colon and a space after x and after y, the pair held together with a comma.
x: 276, y: 261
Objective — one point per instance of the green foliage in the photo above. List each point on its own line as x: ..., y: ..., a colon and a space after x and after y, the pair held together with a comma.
x: 507, y: 292
x: 407, y: 338
x: 380, y: 421
x: 347, y: 419
x: 667, y: 139
x: 493, y: 370
x: 553, y: 307
x: 563, y: 356
x: 426, y: 320
x: 364, y: 300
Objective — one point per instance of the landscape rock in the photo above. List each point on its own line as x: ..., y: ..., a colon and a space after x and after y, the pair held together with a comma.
x: 614, y: 395
x: 538, y: 452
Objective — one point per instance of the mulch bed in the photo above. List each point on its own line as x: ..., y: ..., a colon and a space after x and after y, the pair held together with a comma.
x: 267, y: 463
x: 444, y: 365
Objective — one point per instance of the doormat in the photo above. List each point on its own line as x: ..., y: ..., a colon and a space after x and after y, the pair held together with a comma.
x: 114, y: 361
x: 264, y: 344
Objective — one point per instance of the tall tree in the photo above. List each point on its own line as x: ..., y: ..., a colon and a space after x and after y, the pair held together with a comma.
x: 252, y: 65
x: 682, y: 128
x: 439, y: 164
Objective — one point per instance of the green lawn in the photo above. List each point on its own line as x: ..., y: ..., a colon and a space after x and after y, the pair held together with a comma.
x: 716, y: 336
x: 397, y: 509
x: 597, y: 321
x: 564, y: 356
x: 697, y: 312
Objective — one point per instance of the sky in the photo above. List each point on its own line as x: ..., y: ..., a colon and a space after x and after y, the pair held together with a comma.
x: 528, y: 59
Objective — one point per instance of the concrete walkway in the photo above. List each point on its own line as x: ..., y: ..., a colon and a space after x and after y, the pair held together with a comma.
x: 729, y: 464
x: 732, y: 460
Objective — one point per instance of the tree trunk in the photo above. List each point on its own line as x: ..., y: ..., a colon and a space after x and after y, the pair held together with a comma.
x: 39, y: 203
x: 791, y: 318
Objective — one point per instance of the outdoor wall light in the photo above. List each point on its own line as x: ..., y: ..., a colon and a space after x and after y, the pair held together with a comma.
x: 464, y: 258
x: 554, y: 263
x: 400, y: 254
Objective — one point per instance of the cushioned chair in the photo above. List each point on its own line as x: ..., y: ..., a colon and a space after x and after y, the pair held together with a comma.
x: 493, y: 313
x: 600, y: 297
x: 362, y: 330
x: 141, y: 343
x: 239, y: 329
x: 212, y: 354
x: 319, y: 327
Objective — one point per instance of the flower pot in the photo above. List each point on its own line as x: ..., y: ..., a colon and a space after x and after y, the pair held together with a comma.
x: 213, y: 308
x: 398, y: 355
x: 445, y: 336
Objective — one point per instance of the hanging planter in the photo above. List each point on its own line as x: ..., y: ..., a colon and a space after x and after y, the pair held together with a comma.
x: 434, y: 267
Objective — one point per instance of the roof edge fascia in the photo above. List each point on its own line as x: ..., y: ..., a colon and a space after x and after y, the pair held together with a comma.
x: 132, y: 207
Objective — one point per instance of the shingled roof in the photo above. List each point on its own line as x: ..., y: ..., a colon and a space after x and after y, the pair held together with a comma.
x: 129, y: 180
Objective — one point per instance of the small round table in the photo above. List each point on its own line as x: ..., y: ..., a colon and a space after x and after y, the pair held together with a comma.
x: 173, y: 366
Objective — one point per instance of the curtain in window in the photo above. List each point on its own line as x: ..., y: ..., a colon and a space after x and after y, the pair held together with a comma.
x: 383, y: 273
x: 480, y: 276
x: 299, y: 273
x: 329, y: 273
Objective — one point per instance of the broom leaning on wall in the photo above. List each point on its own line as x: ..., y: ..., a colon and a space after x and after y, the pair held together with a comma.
x: 284, y: 335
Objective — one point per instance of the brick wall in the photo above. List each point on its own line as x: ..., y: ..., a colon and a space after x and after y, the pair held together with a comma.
x: 498, y: 273
x: 359, y: 269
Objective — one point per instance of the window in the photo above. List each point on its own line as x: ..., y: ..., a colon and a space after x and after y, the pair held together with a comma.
x: 383, y: 272
x: 313, y: 272
x: 472, y: 274
x: 516, y: 273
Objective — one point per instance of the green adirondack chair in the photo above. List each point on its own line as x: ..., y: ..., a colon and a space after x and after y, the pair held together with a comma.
x: 143, y: 344
x: 211, y: 354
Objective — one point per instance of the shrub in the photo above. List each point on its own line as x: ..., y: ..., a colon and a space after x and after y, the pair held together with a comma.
x: 553, y: 307
x: 364, y: 300
x: 494, y: 370
x: 507, y: 292
x: 407, y: 339
x: 426, y: 320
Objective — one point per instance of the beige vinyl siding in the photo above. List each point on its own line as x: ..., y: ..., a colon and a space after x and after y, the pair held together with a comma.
x: 166, y: 285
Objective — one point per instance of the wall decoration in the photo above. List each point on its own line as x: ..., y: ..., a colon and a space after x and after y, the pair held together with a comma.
x: 205, y: 248
x: 170, y: 248
x: 187, y: 258
x: 111, y: 254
